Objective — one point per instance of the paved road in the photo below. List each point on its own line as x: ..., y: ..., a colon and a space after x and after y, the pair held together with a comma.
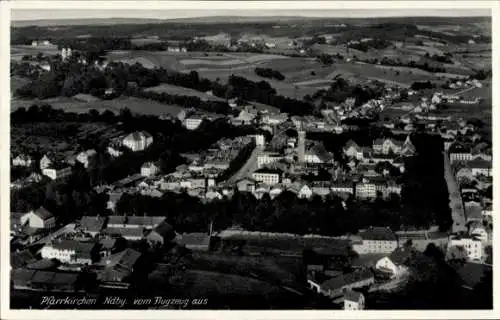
x: 456, y: 204
x: 247, y: 168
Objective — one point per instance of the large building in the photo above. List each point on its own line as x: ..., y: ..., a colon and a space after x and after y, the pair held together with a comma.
x: 69, y: 251
x: 138, y: 141
x: 267, y: 176
x: 376, y: 240
x: 57, y: 173
x: 193, y: 122
x: 472, y: 245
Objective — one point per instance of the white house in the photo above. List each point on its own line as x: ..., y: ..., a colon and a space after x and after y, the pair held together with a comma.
x: 193, y: 122
x: 303, y: 191
x: 352, y: 150
x: 114, y: 151
x: 472, y: 245
x: 38, y: 219
x: 45, y: 162
x: 354, y: 300
x: 86, y: 157
x: 149, y: 169
x: 265, y: 158
x: 57, y: 173
x: 138, y: 141
x: 477, y: 230
x: 69, y: 251
x: 395, y: 262
x: 268, y: 176
x: 22, y: 160
x: 376, y: 240
x: 480, y: 167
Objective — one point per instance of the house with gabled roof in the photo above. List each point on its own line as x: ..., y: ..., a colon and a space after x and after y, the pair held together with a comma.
x: 335, y: 287
x: 387, y: 146
x: 70, y: 251
x: 138, y: 141
x: 22, y: 160
x: 118, y: 267
x: 39, y: 218
x: 354, y: 300
x: 316, y: 153
x: 408, y: 148
x: 302, y: 190
x: 353, y: 150
x: 161, y: 234
x: 87, y: 158
x: 92, y: 224
x: 396, y: 262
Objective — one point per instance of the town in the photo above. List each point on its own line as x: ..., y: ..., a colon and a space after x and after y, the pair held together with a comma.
x: 196, y: 168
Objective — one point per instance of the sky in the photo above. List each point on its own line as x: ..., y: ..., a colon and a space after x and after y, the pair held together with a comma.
x: 40, y: 14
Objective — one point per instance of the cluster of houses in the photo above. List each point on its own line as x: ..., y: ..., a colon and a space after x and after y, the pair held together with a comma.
x: 197, y: 178
x: 99, y: 247
x: 472, y: 167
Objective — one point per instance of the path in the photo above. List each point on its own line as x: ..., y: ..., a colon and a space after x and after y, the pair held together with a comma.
x: 456, y: 205
x: 249, y: 166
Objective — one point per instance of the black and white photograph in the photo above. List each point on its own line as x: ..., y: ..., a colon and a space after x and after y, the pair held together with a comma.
x: 269, y: 158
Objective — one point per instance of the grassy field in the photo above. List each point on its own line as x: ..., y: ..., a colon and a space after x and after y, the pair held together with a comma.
x: 208, y: 283
x: 136, y: 105
x: 171, y: 89
x: 285, y: 271
x: 17, y: 52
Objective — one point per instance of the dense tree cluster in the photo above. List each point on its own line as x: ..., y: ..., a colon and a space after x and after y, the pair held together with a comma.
x: 364, y: 46
x: 425, y: 194
x: 422, y: 65
x: 341, y: 89
x: 445, y: 58
x: 482, y: 74
x: 422, y: 85
x: 263, y: 92
x: 269, y: 73
x: 325, y: 59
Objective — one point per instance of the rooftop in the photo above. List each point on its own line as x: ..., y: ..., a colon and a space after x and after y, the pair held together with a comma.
x: 347, y: 279
x: 378, y: 233
x: 92, y: 223
x: 351, y: 295
x: 43, y: 213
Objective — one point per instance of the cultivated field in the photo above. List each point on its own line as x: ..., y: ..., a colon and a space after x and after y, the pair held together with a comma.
x: 17, y: 52
x: 171, y: 89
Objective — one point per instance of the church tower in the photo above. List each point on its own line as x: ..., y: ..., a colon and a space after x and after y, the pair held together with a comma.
x: 301, y: 143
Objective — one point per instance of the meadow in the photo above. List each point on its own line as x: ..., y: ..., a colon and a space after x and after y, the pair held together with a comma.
x: 176, y: 90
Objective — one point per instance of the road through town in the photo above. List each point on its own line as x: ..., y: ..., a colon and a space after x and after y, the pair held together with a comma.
x: 456, y: 204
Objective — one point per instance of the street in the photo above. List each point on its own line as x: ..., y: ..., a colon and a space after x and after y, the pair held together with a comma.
x: 456, y: 204
x: 248, y: 167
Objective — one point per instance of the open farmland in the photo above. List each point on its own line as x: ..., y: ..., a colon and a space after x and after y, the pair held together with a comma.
x: 140, y: 106
x: 171, y: 89
x: 17, y: 52
x: 145, y: 41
